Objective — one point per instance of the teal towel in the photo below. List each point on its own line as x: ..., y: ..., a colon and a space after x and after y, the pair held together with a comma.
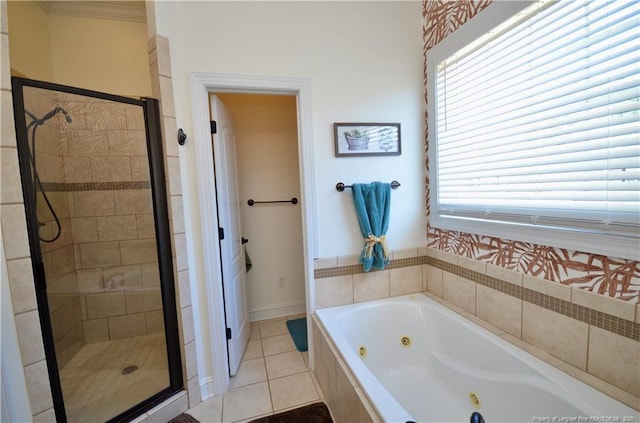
x: 373, y: 202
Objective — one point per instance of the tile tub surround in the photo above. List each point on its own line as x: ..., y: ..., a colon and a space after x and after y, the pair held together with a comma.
x: 592, y: 337
x: 341, y: 280
x: 346, y: 401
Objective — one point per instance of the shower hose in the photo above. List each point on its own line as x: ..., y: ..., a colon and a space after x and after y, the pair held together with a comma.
x: 37, y: 183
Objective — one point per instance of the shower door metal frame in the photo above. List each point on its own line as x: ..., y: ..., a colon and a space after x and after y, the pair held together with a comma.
x: 151, y: 110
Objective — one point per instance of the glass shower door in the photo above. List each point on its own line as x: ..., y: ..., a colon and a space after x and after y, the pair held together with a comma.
x: 93, y: 183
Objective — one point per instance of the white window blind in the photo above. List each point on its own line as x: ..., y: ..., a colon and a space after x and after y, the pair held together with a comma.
x: 537, y: 122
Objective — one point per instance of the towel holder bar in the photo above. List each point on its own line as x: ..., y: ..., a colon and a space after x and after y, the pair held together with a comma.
x: 251, y: 202
x: 341, y: 186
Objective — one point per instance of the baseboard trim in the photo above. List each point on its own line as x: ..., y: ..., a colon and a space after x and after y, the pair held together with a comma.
x: 207, y: 388
x: 278, y: 310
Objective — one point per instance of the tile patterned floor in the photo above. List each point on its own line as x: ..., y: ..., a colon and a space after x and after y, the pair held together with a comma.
x: 273, y: 377
x: 94, y: 387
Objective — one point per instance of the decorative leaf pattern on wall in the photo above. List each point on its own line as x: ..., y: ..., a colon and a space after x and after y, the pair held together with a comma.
x: 545, y: 262
x: 445, y: 16
x: 618, y: 278
x: 607, y: 276
x: 459, y: 243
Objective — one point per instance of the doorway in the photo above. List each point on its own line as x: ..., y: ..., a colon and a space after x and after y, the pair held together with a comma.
x: 212, y: 336
x: 93, y: 184
x: 267, y: 180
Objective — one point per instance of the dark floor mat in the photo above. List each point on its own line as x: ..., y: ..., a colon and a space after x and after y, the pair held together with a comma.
x: 312, y: 413
x: 183, y: 418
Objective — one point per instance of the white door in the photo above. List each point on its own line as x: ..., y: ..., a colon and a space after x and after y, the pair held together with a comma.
x: 231, y: 249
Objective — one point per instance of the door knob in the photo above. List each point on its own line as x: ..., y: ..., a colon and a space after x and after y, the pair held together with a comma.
x: 244, y: 240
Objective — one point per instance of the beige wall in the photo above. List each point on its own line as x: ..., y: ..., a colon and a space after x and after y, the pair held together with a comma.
x: 363, y: 64
x: 267, y: 158
x: 98, y: 54
x: 30, y: 46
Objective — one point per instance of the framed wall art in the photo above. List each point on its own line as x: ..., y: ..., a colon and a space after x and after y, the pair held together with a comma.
x: 366, y: 139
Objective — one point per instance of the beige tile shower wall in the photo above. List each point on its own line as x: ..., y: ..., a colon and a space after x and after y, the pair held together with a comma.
x: 57, y: 253
x: 104, y: 143
x: 118, y: 279
x: 66, y: 317
x: 112, y: 226
x: 160, y: 64
x: 48, y: 151
x: 16, y: 245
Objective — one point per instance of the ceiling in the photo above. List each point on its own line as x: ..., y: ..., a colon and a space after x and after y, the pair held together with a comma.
x: 133, y: 10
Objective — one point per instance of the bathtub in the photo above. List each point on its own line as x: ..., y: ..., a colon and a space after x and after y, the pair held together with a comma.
x: 416, y: 360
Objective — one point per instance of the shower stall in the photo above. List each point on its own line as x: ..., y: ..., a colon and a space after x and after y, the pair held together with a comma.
x: 94, y: 190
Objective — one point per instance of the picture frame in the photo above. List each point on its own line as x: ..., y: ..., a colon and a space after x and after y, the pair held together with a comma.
x: 353, y: 139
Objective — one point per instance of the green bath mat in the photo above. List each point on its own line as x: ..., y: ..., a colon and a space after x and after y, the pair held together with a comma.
x: 298, y: 330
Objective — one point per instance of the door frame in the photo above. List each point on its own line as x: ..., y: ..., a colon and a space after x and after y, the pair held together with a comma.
x: 201, y: 84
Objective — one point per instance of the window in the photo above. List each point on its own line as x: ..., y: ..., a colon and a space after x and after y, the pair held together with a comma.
x: 534, y: 121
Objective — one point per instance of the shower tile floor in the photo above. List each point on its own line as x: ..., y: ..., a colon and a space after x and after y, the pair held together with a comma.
x: 94, y: 387
x: 273, y: 377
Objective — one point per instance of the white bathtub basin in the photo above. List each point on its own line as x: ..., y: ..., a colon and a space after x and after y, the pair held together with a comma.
x: 452, y: 367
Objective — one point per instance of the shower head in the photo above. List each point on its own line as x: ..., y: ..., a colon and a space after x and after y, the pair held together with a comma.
x: 67, y: 116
